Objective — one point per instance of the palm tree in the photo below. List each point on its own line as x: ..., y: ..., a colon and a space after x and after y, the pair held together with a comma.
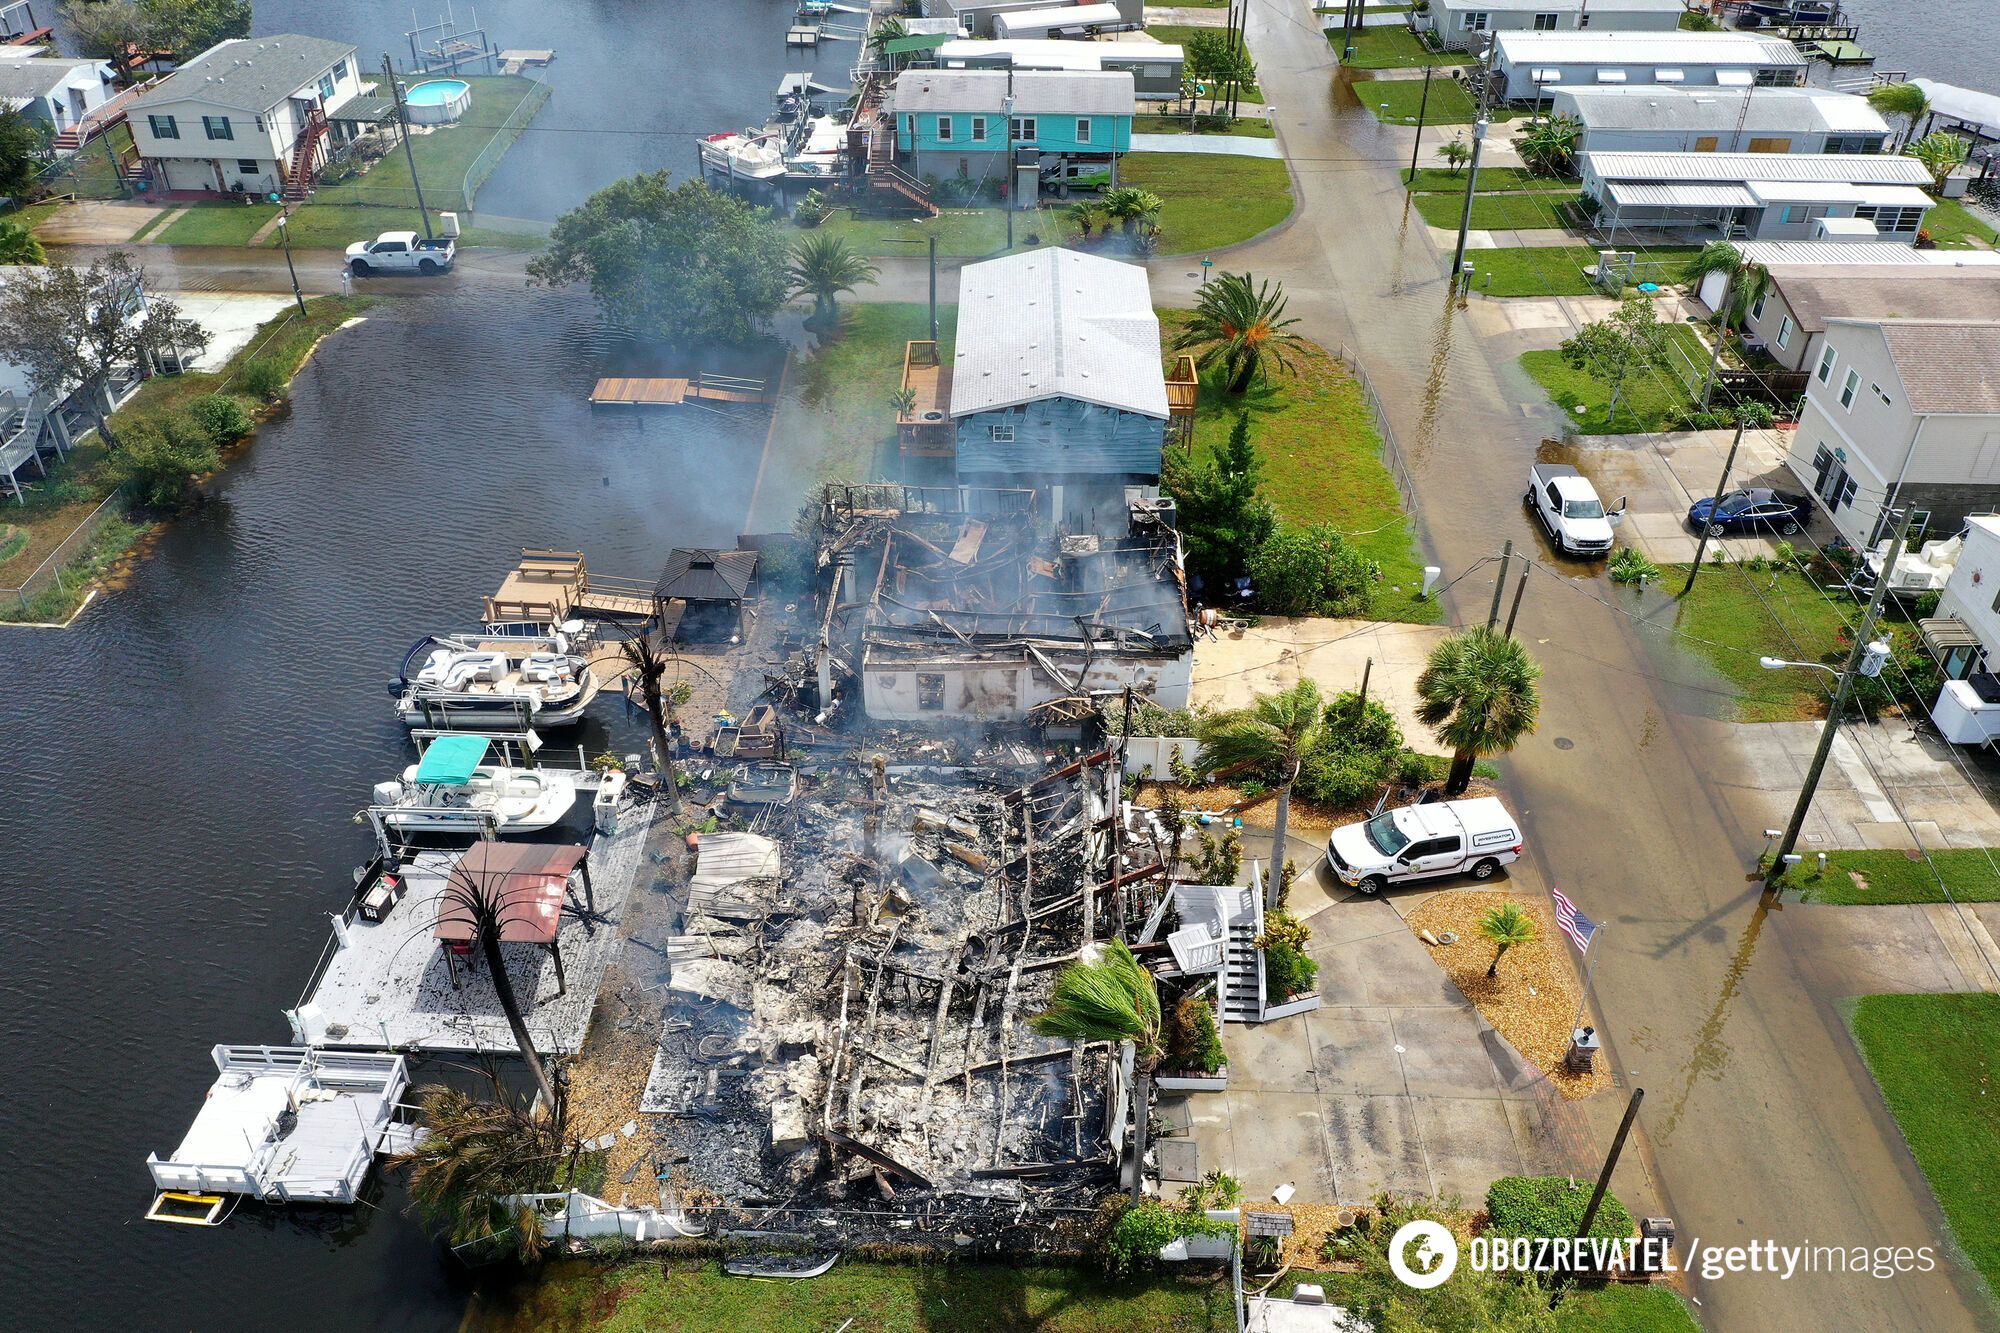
x: 904, y: 400
x: 648, y: 664
x: 19, y: 246
x: 824, y: 265
x: 1478, y: 693
x: 1111, y: 999
x: 1128, y: 206
x: 1274, y: 733
x: 1239, y: 325
x: 1744, y: 284
x: 889, y: 30
x: 473, y: 1157
x: 1549, y: 145
x: 1083, y: 214
x: 1939, y: 152
x: 1456, y: 153
x: 482, y: 896
x: 1504, y: 927
x: 1905, y: 101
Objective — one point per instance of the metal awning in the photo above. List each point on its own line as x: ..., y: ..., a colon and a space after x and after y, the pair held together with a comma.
x: 364, y: 110
x: 1627, y: 194
x: 451, y: 760
x: 1611, y: 76
x: 923, y: 41
x: 1546, y: 75
x: 1734, y: 78
x: 1942, y: 634
x: 1669, y: 76
x: 526, y: 883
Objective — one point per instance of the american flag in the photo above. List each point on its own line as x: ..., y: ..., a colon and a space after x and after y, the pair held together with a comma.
x: 1574, y: 924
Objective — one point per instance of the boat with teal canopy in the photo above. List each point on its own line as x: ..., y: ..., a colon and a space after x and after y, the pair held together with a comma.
x: 452, y: 760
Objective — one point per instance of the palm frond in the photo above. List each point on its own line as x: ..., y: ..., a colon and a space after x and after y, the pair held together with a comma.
x: 1110, y: 1000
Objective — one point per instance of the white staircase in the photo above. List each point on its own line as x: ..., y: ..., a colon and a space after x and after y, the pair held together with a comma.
x: 1242, y: 966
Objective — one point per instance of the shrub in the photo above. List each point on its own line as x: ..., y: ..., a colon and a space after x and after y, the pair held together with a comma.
x: 159, y: 456
x: 1142, y: 1230
x: 1551, y: 1206
x: 222, y: 415
x: 1629, y: 566
x: 1757, y: 416
x: 1192, y: 1039
x: 1927, y: 605
x: 1288, y: 971
x: 1304, y: 571
x: 265, y: 379
x: 1217, y: 862
x: 1353, y: 759
x: 1414, y: 770
x: 811, y: 209
x: 1217, y: 1189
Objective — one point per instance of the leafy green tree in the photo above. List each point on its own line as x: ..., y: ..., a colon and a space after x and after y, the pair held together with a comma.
x: 1238, y: 324
x: 1273, y: 734
x: 74, y: 328
x: 1744, y: 285
x: 23, y: 145
x: 110, y: 29
x: 1456, y: 153
x: 1112, y: 999
x: 1479, y: 693
x: 1311, y: 571
x: 1940, y: 153
x: 1613, y: 348
x: 1222, y: 515
x: 685, y: 264
x: 1548, y: 146
x: 890, y: 29
x: 823, y: 266
x: 1358, y: 750
x: 1905, y: 101
x: 1504, y: 927
x: 1210, y: 55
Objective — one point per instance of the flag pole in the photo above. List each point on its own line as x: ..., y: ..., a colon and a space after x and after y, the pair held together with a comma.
x: 1589, y: 966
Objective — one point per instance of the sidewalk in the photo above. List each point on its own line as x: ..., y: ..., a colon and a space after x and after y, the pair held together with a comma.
x: 1219, y: 145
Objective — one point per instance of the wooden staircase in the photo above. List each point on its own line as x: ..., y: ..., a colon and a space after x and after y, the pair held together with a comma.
x: 887, y: 180
x: 299, y: 179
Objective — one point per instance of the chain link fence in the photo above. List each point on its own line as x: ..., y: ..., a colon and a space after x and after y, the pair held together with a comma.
x: 1392, y: 453
x: 94, y: 171
x: 503, y: 138
x: 54, y: 572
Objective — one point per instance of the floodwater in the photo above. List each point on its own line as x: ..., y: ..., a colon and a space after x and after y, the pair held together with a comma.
x: 179, y: 771
x: 1948, y: 40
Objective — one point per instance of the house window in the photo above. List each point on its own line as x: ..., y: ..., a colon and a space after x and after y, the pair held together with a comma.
x: 217, y: 127
x: 1784, y: 332
x: 978, y: 129
x: 1473, y: 22
x: 1757, y: 311
x: 340, y: 68
x: 1890, y: 218
x: 1583, y: 20
x: 1024, y: 129
x: 1876, y: 389
x: 1848, y: 387
x: 246, y: 166
x: 326, y: 84
x: 1545, y: 23
x: 1083, y: 129
x: 1000, y: 434
x: 163, y: 127
x: 930, y: 690
x: 1826, y: 360
x: 1706, y: 143
x: 944, y: 129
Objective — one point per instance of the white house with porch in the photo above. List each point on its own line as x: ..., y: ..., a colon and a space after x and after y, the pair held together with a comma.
x: 58, y: 91
x: 253, y: 115
x: 1657, y: 118
x: 1461, y: 24
x: 1760, y: 196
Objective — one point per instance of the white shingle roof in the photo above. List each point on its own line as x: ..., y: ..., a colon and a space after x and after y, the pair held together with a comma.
x: 1646, y: 48
x: 1036, y: 92
x: 1851, y: 168
x: 1720, y: 109
x: 1056, y: 323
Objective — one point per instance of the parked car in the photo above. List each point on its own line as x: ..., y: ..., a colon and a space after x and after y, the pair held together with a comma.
x: 1567, y: 504
x: 401, y: 252
x: 1414, y: 842
x: 1756, y: 509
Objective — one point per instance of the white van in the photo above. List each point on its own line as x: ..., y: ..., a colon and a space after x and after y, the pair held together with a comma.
x: 1474, y: 837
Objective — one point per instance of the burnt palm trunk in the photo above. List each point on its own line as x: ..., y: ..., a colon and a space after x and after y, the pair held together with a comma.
x: 1142, y: 1096
x: 656, y: 713
x: 510, y: 1005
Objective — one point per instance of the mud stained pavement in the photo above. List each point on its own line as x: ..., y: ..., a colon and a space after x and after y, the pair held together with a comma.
x: 1759, y: 1120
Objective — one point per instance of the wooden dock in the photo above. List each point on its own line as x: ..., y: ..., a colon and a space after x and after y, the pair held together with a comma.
x: 553, y: 586
x: 673, y: 391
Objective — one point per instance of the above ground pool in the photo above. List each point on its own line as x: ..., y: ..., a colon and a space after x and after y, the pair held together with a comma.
x: 438, y: 102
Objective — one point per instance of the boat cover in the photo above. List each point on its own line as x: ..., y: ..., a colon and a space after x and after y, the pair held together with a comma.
x: 450, y: 760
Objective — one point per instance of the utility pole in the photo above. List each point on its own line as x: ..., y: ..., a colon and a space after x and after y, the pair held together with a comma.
x: 1010, y: 241
x: 1500, y: 584
x: 1721, y: 489
x: 1350, y: 20
x: 1515, y: 610
x: 1611, y: 1161
x: 1479, y: 129
x: 285, y: 235
x: 403, y: 118
x: 1840, y: 696
x: 1423, y: 109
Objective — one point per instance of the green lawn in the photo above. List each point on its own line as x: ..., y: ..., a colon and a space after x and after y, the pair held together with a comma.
x: 846, y: 384
x: 1552, y: 270
x: 1870, y: 876
x: 1530, y: 209
x: 1735, y: 615
x: 1492, y: 180
x: 1937, y: 1058
x: 216, y: 224
x: 1243, y: 127
x: 694, y: 1295
x: 1210, y: 201
x: 443, y: 155
x: 1322, y: 464
x: 1625, y: 1307
x: 1393, y: 48
x: 1954, y: 228
x: 1652, y: 398
x: 961, y: 233
x: 1397, y: 101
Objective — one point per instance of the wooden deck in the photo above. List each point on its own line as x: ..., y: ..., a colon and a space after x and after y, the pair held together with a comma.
x: 926, y: 430
x: 673, y: 391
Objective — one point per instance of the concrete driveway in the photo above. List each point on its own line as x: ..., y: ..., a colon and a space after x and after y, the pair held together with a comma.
x: 1660, y: 475
x: 1232, y: 669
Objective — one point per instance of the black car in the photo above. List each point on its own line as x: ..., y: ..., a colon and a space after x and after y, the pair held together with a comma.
x: 1782, y: 512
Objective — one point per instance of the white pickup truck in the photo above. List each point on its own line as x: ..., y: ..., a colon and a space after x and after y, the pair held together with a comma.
x: 1567, y: 504
x: 401, y: 252
x: 1413, y: 842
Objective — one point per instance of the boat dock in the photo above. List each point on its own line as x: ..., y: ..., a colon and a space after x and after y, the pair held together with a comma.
x: 673, y: 391
x: 399, y: 983
x: 550, y: 587
x: 514, y: 61
x: 282, y: 1124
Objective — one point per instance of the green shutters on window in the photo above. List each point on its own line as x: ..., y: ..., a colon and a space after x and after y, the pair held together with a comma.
x: 217, y: 127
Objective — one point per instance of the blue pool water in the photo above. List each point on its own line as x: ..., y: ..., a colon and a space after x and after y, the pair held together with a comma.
x: 437, y: 92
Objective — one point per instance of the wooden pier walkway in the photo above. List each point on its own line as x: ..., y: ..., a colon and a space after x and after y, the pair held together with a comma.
x: 672, y: 391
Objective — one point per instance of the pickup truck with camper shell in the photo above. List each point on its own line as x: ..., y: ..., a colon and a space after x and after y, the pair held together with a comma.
x: 1426, y: 841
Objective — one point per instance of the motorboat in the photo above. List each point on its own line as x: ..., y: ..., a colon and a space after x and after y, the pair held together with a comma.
x: 748, y: 155
x: 510, y: 681
x: 452, y: 789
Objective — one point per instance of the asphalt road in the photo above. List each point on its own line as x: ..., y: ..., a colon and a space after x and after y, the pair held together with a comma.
x: 1760, y: 1122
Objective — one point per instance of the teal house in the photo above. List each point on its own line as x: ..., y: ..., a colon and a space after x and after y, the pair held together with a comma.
x: 981, y: 124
